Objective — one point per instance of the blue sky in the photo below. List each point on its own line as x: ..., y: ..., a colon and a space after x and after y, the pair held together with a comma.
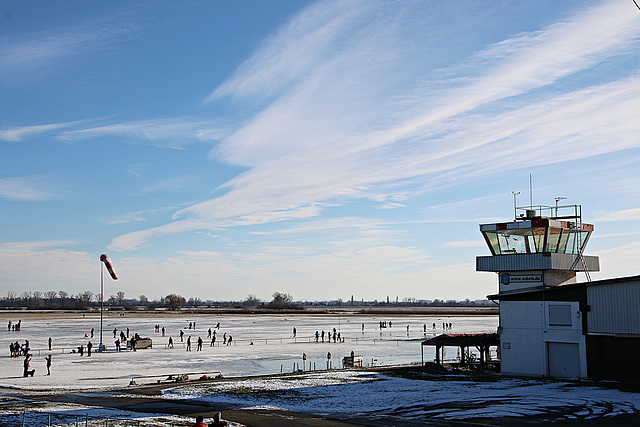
x: 323, y: 149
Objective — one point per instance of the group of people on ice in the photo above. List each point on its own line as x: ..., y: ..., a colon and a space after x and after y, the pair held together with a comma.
x: 14, y: 326
x: 18, y: 349
x: 336, y: 336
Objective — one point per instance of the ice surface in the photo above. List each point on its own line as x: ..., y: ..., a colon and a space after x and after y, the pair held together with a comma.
x: 274, y: 348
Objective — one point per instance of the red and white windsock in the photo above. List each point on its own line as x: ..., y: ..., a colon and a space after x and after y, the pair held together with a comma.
x: 107, y: 262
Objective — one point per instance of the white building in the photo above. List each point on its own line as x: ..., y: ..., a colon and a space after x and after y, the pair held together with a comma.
x: 550, y: 324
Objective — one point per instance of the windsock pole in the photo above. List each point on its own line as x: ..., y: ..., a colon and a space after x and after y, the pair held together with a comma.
x: 104, y: 259
x: 101, y: 300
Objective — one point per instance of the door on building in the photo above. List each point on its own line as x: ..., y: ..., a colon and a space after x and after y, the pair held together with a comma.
x: 564, y: 359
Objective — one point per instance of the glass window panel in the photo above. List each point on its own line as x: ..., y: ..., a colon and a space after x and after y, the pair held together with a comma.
x: 538, y: 236
x: 554, y: 238
x: 530, y: 244
x: 562, y: 242
x: 492, y: 238
x: 571, y: 243
x: 583, y: 236
x: 511, y: 243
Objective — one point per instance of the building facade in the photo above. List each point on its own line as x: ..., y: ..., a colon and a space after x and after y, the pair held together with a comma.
x: 551, y: 325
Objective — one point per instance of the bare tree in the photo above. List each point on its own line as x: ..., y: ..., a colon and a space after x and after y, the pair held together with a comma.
x: 174, y: 302
x: 83, y: 299
x: 252, y: 301
x: 120, y: 296
x: 281, y: 300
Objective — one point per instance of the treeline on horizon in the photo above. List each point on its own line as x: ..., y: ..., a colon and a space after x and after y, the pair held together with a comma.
x: 62, y: 300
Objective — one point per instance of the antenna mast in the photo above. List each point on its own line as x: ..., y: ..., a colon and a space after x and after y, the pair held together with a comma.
x: 530, y: 192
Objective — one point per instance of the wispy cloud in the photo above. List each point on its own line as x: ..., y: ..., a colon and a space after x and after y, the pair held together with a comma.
x: 354, y: 111
x: 138, y: 216
x: 20, y: 133
x: 19, y: 258
x: 30, y: 189
x: 25, y: 58
x: 165, y: 133
x: 466, y: 244
x: 625, y: 215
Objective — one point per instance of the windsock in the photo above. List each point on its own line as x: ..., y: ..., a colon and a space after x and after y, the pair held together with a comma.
x: 107, y: 262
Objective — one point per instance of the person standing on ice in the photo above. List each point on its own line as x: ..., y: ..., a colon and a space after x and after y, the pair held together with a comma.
x: 170, y: 342
x: 89, y: 346
x: 48, y: 359
x: 50, y: 342
x: 213, y: 340
x: 199, y: 348
x: 181, y: 335
x: 189, y: 343
x: 25, y: 365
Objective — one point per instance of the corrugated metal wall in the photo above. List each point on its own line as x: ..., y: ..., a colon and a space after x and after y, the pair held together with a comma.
x: 615, y: 308
x: 538, y: 261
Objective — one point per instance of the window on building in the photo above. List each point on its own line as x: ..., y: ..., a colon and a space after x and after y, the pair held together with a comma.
x: 560, y: 315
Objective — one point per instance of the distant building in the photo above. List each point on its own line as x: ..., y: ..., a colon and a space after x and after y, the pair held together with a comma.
x: 551, y: 325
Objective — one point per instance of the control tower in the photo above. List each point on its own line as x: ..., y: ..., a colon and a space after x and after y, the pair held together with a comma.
x: 542, y: 247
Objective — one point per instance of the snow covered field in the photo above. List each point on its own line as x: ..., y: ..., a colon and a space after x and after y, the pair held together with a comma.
x: 374, y: 396
x: 353, y: 396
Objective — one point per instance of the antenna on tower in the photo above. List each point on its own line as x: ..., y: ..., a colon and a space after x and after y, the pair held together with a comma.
x: 530, y: 192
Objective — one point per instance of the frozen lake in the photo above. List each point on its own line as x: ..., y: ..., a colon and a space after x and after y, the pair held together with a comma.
x: 346, y: 394
x: 262, y: 344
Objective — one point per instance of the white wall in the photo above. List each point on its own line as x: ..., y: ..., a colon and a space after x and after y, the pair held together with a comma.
x: 525, y: 331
